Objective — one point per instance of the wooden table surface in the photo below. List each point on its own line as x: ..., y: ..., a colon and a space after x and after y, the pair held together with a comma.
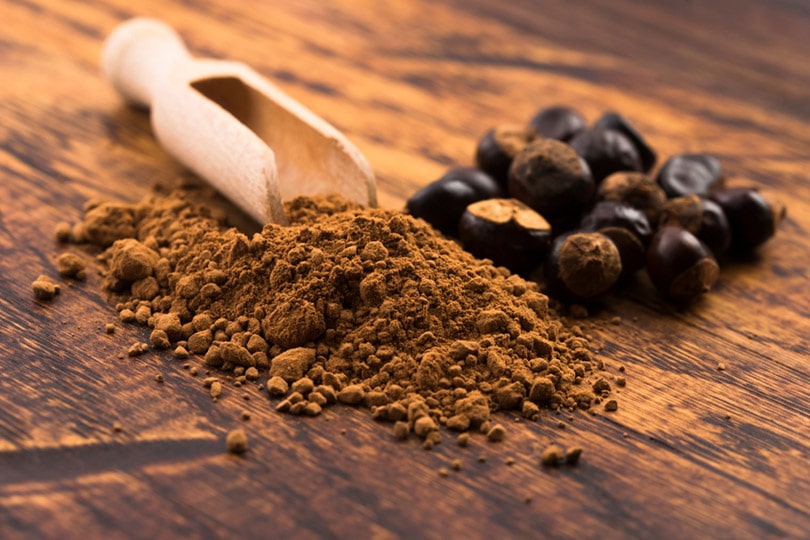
x: 692, y: 452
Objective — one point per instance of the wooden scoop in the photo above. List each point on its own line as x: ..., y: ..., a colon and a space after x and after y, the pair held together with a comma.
x: 224, y: 121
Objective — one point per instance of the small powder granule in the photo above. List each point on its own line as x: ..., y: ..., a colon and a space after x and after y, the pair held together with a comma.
x: 62, y: 232
x: 572, y: 455
x: 44, y: 288
x: 137, y: 349
x: 236, y: 441
x: 371, y: 303
x: 216, y: 390
x: 496, y: 433
x: 552, y: 456
x: 71, y: 265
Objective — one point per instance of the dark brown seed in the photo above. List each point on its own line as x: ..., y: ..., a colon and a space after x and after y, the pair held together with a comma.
x: 691, y: 174
x: 506, y: 231
x: 582, y: 266
x: 548, y: 176
x: 634, y: 189
x: 752, y: 215
x: 680, y: 266
x: 497, y: 149
x: 618, y: 122
x: 442, y: 202
x: 558, y: 122
x: 702, y: 217
x: 607, y: 151
x: 628, y: 227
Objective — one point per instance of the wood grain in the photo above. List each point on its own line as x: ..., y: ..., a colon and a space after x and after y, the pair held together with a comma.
x: 692, y: 451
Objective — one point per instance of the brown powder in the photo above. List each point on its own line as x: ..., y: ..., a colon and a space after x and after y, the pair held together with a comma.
x: 71, y: 265
x: 371, y: 307
x: 236, y: 441
x: 44, y: 288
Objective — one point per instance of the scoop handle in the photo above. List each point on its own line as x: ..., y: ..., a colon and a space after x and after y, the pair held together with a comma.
x: 139, y: 55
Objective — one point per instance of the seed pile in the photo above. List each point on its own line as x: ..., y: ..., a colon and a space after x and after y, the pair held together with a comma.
x: 579, y: 208
x: 365, y: 307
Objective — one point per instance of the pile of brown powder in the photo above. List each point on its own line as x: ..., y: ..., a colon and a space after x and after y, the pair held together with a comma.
x: 362, y: 306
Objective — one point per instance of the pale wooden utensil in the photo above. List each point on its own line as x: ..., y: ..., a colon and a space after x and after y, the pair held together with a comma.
x: 224, y: 121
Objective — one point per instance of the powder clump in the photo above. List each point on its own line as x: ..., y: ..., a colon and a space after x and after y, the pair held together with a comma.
x: 373, y: 307
x: 71, y: 265
x: 44, y: 288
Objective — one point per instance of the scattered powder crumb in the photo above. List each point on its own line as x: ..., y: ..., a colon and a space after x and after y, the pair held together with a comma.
x: 180, y: 352
x: 527, y: 499
x: 245, y: 415
x: 721, y: 366
x: 71, y: 265
x: 109, y: 328
x: 552, y: 456
x: 276, y: 386
x: 485, y: 427
x: 159, y: 378
x: 572, y: 455
x: 193, y: 371
x: 44, y: 288
x: 351, y: 395
x: 456, y: 464
x: 621, y: 381
x: 236, y: 441
x: 117, y: 427
x: 509, y: 461
x: 216, y: 389
x: 443, y: 472
x: 601, y: 386
x: 482, y: 458
x: 62, y: 232
x: 159, y: 339
x: 463, y: 439
x: 611, y: 405
x: 616, y: 320
x: 561, y: 424
x: 496, y: 433
x: 530, y: 410
x: 137, y: 349
x: 401, y: 430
